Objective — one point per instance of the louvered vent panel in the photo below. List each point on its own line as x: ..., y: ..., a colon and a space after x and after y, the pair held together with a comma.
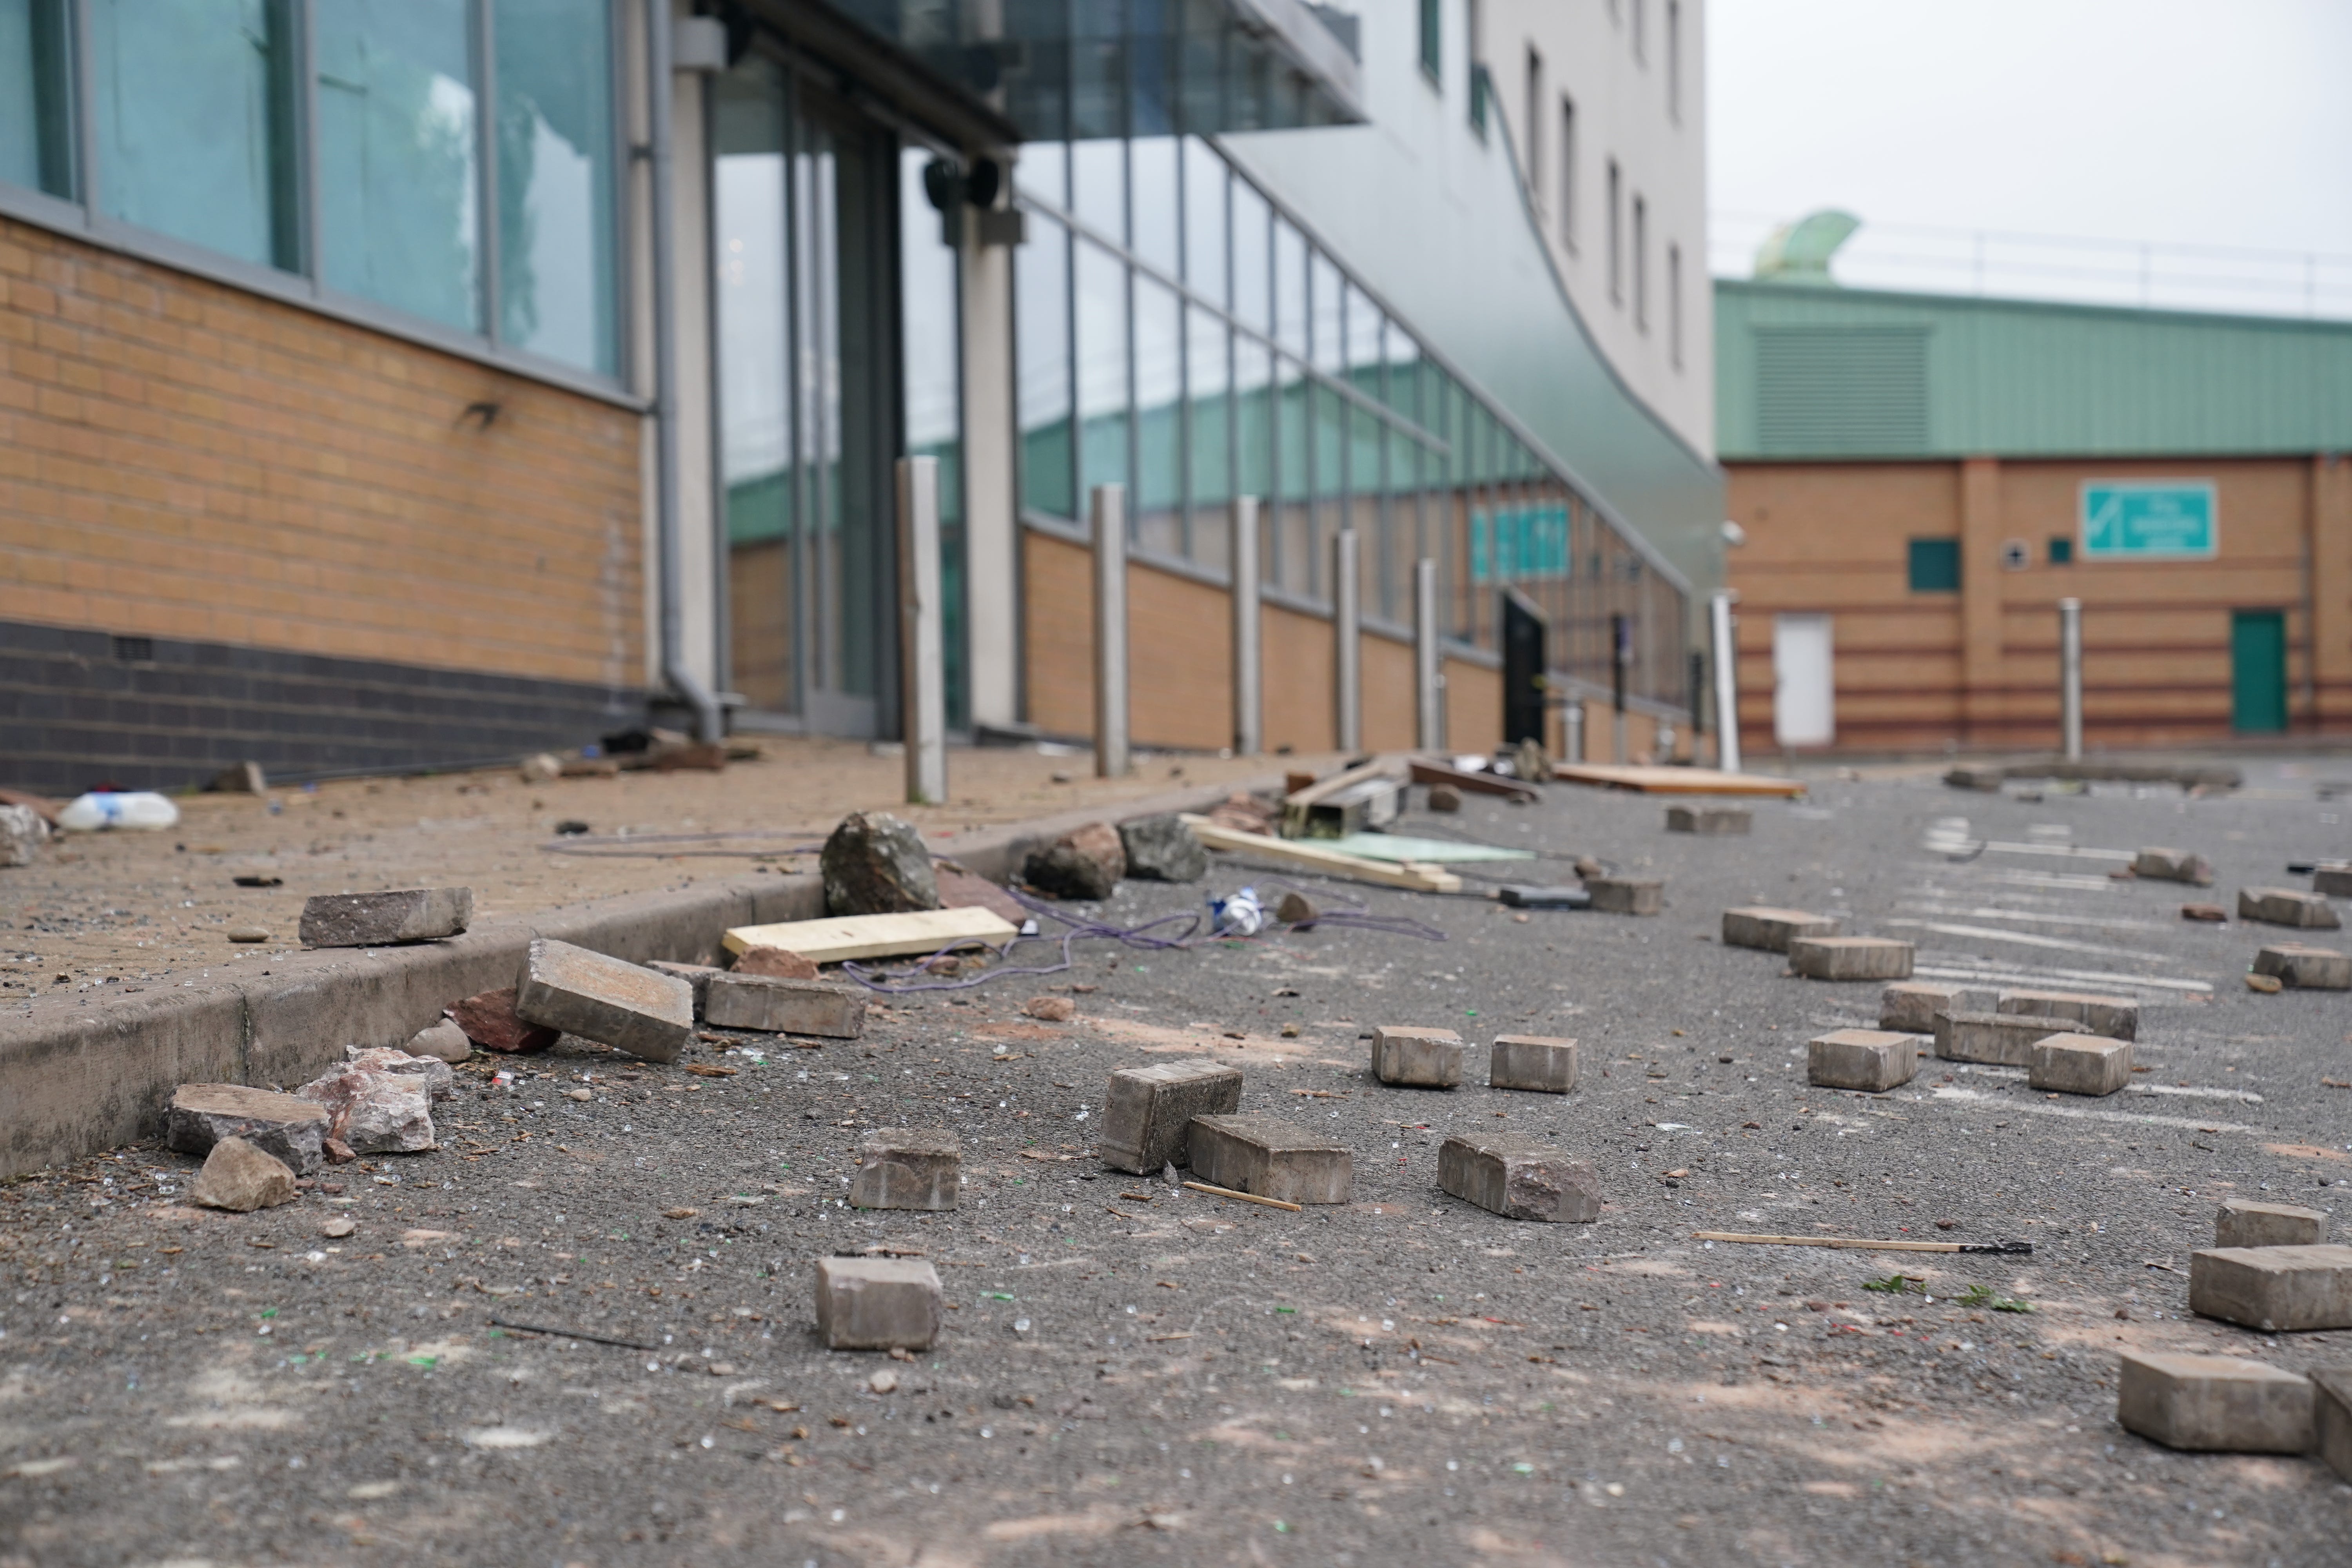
x: 1837, y: 390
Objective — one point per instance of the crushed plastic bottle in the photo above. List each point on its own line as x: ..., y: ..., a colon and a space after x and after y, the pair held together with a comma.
x: 140, y: 809
x: 1240, y: 915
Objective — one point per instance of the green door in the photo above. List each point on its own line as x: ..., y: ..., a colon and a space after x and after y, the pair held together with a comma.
x: 2258, y: 670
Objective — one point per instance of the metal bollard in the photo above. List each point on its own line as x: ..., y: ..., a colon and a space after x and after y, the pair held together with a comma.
x: 1428, y: 677
x: 1572, y: 727
x: 1110, y: 509
x: 1348, y: 643
x: 923, y: 635
x: 1249, y: 628
x: 1726, y: 682
x: 2070, y: 676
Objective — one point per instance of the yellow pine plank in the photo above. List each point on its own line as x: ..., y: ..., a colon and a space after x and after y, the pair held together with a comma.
x: 1676, y: 781
x: 1411, y: 874
x: 846, y: 937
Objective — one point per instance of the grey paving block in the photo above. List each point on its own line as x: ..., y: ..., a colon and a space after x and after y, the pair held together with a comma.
x: 1874, y: 1061
x: 2005, y: 1038
x: 1532, y: 1062
x: 1772, y: 930
x: 2213, y: 1404
x: 2116, y: 1017
x: 877, y: 1303
x: 1627, y: 895
x: 2287, y: 907
x: 1271, y: 1158
x: 908, y: 1168
x: 614, y: 1002
x: 2331, y: 1417
x: 1148, y: 1112
x: 385, y: 920
x: 2173, y: 866
x: 695, y: 974
x: 1418, y: 1058
x: 826, y: 1008
x: 1910, y: 1007
x: 2242, y: 1221
x: 2078, y: 1064
x: 1709, y: 820
x: 1850, y: 958
x: 284, y: 1126
x: 2306, y: 967
x: 1519, y: 1178
x: 2278, y: 1289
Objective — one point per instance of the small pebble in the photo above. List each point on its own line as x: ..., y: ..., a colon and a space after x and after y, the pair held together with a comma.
x: 248, y: 933
x: 579, y: 1094
x: 338, y: 1226
x: 883, y: 1381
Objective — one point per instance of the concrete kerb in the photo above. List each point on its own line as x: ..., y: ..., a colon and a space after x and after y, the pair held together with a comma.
x: 80, y: 1075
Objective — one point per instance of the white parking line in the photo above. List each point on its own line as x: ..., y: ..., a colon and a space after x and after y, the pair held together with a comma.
x: 2034, y: 1108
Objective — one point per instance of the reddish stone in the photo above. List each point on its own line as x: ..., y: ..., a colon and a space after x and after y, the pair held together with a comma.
x: 490, y: 1021
x: 777, y: 962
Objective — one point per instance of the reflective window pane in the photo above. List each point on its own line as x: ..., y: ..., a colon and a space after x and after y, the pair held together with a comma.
x: 1254, y: 420
x: 196, y: 125
x: 1040, y: 281
x: 1099, y: 188
x: 1151, y: 185
x: 1405, y: 376
x: 1325, y: 305
x: 1157, y: 509
x: 1207, y: 375
x: 1289, y: 289
x: 1204, y: 221
x: 931, y: 401
x: 556, y: 283
x: 1253, y: 256
x: 1102, y: 369
x: 1364, y: 338
x: 1043, y: 172
x: 399, y: 208
x: 36, y: 107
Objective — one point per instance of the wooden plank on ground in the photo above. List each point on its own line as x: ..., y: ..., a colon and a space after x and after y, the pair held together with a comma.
x: 875, y: 936
x: 1426, y: 772
x: 1308, y: 857
x: 1676, y: 781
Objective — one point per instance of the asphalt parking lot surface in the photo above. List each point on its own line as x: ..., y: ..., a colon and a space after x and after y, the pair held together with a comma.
x: 1136, y: 1371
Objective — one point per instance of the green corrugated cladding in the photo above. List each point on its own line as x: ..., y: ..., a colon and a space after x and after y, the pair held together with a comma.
x: 1831, y: 372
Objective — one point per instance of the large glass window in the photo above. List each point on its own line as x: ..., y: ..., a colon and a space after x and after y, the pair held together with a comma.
x: 1204, y: 221
x: 1289, y: 289
x: 1102, y: 368
x: 1207, y: 373
x: 1158, y: 417
x: 399, y: 211
x: 556, y: 282
x: 194, y: 104
x: 1041, y: 280
x: 1152, y: 178
x: 35, y: 108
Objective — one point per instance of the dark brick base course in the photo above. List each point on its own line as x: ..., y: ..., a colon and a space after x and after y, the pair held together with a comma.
x: 81, y: 708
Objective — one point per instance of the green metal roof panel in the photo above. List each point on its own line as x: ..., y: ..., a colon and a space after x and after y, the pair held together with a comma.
x: 1845, y: 373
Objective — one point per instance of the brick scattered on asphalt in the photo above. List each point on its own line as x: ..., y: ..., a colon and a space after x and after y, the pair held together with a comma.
x: 908, y: 1168
x: 1772, y: 930
x: 1519, y: 1178
x: 2116, y: 1017
x: 1271, y: 1158
x: 1148, y: 1112
x: 1850, y: 958
x: 2003, y: 1040
x: 1538, y: 1063
x: 1417, y: 1057
x: 1627, y: 895
x: 1085, y: 863
x: 2213, y: 1404
x: 1910, y: 1007
x: 1873, y: 1061
x: 608, y: 1000
x: 1707, y: 820
x: 877, y: 1303
x: 830, y: 1010
x: 285, y: 1126
x: 2278, y: 1289
x: 2173, y: 866
x: 2287, y: 907
x: 2243, y: 1222
x: 489, y: 1020
x: 2078, y: 1064
x: 385, y: 920
x: 2305, y: 967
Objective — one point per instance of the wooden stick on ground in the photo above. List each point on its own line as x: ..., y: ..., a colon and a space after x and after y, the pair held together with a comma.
x: 1862, y: 1244
x: 1305, y: 856
x: 1244, y: 1197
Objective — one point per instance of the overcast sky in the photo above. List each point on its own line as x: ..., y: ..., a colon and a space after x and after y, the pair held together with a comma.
x: 2181, y: 122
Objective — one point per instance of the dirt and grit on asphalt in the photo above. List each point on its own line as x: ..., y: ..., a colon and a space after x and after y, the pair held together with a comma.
x: 582, y: 1329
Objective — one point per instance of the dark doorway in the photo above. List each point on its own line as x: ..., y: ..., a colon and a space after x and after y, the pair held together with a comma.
x: 1524, y: 690
x: 2258, y: 671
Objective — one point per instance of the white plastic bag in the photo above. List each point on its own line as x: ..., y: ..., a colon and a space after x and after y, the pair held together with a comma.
x: 136, y: 808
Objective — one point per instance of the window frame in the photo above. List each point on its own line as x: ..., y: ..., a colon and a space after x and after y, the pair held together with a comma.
x: 1641, y: 263
x: 1433, y: 43
x: 81, y: 217
x: 1616, y: 237
x: 1535, y: 124
x: 1567, y: 181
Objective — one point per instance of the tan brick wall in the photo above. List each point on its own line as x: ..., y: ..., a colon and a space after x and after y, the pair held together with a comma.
x: 1979, y: 667
x: 181, y: 458
x: 1474, y: 707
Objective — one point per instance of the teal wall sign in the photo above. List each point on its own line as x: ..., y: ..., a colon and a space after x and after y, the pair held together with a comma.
x: 2150, y: 519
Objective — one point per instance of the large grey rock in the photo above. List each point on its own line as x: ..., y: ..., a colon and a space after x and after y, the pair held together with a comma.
x: 381, y: 920
x: 827, y: 1008
x: 2213, y: 1404
x: 908, y: 1168
x: 21, y: 828
x: 609, y: 1001
x: 877, y: 1303
x: 2278, y: 1289
x: 241, y: 1177
x: 440, y: 1082
x: 1270, y: 1158
x: 1085, y: 863
x: 284, y: 1126
x: 876, y: 866
x: 376, y: 1112
x: 444, y: 1041
x: 1519, y: 1178
x: 1148, y: 1112
x: 1163, y: 849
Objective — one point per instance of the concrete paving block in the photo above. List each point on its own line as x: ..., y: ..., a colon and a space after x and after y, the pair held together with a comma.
x: 1850, y: 958
x: 2078, y: 1064
x: 2306, y: 967
x: 2331, y: 1417
x: 2173, y: 866
x: 1771, y: 930
x: 608, y: 1000
x: 383, y: 919
x: 1874, y: 1061
x: 1271, y: 1158
x: 2242, y: 1221
x: 1709, y: 820
x: 1910, y: 1007
x: 2115, y: 1018
x: 1419, y: 1058
x: 826, y: 1008
x: 1534, y: 1062
x: 284, y: 1126
x: 2278, y: 1289
x: 908, y: 1168
x: 2005, y: 1038
x: 1627, y: 895
x: 2213, y: 1404
x: 695, y: 974
x: 2332, y: 881
x: 2287, y: 907
x: 1519, y: 1178
x: 1148, y: 1112
x: 877, y: 1303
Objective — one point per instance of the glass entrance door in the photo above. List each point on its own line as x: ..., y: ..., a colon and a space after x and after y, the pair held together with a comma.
x: 804, y: 220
